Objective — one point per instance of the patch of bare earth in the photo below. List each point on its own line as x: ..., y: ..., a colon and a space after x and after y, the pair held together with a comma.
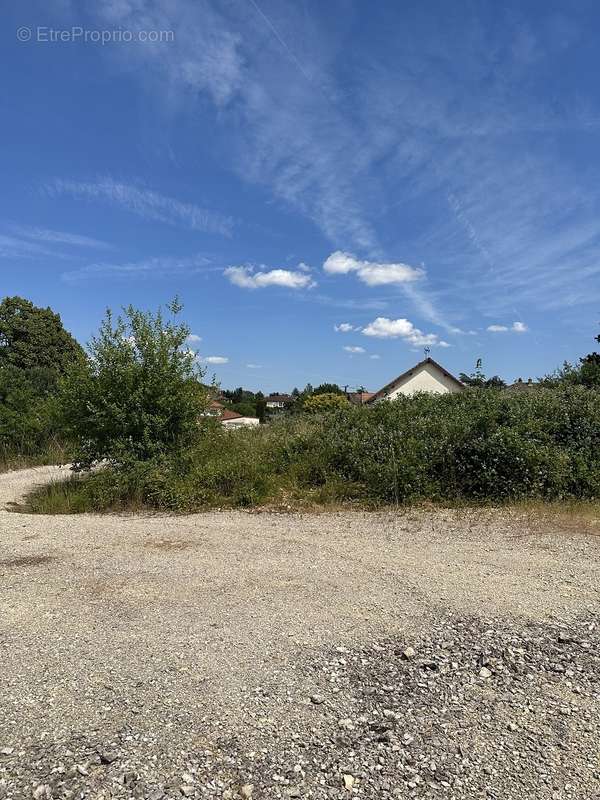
x: 240, y: 655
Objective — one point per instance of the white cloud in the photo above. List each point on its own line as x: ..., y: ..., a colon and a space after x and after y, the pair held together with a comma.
x: 384, y: 328
x: 254, y: 366
x: 57, y: 237
x: 323, y: 156
x: 351, y: 349
x: 247, y: 279
x: 214, y: 359
x: 145, y: 203
x: 343, y: 327
x: 371, y: 272
x: 13, y: 247
x: 193, y: 338
x: 516, y: 327
x: 158, y: 267
x: 375, y: 357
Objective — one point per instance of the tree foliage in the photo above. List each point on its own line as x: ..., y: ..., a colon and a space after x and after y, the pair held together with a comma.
x: 138, y: 395
x: 328, y: 388
x: 34, y: 342
x: 35, y: 352
x: 478, y: 379
x: 321, y: 403
x: 585, y: 373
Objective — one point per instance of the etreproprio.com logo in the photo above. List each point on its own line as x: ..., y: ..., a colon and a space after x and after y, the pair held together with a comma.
x: 77, y: 34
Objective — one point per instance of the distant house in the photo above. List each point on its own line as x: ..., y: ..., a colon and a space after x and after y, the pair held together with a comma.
x: 523, y: 386
x: 231, y: 419
x: 360, y: 398
x: 278, y: 401
x: 426, y: 376
x: 215, y: 409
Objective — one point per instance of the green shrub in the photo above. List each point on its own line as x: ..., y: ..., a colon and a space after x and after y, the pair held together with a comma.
x: 476, y: 446
x: 138, y: 395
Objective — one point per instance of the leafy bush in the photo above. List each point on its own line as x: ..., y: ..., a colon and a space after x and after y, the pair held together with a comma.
x: 138, y: 396
x: 476, y: 446
x: 326, y: 401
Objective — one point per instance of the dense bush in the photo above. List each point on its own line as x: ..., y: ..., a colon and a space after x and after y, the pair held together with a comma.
x: 138, y: 395
x: 326, y: 401
x: 480, y: 445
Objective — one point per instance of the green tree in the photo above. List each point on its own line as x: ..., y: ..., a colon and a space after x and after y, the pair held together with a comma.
x: 35, y: 352
x: 34, y: 342
x: 261, y: 408
x: 138, y: 395
x: 320, y: 403
x: 328, y: 388
x: 585, y: 373
x: 246, y: 408
x: 479, y: 380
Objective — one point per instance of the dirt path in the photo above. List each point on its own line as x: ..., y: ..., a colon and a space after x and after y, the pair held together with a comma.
x: 172, y: 627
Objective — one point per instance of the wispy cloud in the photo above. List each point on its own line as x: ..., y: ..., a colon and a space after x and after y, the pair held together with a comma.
x: 343, y: 327
x: 516, y: 327
x: 15, y: 247
x: 254, y: 366
x: 246, y: 278
x: 384, y: 328
x: 57, y: 237
x: 449, y: 121
x: 354, y: 349
x: 193, y: 339
x: 159, y: 267
x: 146, y: 203
x: 213, y: 359
x: 371, y: 272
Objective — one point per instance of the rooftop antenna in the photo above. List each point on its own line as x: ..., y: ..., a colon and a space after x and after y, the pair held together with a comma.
x: 427, y: 350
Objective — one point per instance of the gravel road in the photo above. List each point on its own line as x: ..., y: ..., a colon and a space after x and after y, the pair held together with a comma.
x: 439, y: 654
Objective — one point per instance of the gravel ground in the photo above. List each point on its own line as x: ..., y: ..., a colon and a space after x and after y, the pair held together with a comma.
x: 441, y: 654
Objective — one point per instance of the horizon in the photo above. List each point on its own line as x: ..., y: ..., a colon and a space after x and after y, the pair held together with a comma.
x: 329, y: 189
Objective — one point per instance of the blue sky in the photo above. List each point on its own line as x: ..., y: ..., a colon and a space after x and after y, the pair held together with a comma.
x: 328, y: 187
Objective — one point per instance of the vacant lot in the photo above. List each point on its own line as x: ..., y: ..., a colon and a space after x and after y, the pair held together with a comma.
x: 267, y: 655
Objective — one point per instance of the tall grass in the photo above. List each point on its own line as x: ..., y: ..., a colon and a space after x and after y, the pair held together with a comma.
x: 27, y: 454
x: 482, y: 446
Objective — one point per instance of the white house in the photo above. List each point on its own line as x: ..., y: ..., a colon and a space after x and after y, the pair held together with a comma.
x: 278, y: 401
x: 231, y: 419
x: 426, y: 376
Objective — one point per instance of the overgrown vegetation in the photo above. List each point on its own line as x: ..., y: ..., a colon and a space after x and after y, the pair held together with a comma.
x: 138, y: 395
x: 482, y: 446
x: 133, y: 407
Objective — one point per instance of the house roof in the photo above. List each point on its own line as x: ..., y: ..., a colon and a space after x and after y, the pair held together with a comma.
x: 229, y: 414
x: 523, y: 386
x: 409, y: 372
x: 214, y: 404
x: 278, y: 398
x: 360, y: 398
